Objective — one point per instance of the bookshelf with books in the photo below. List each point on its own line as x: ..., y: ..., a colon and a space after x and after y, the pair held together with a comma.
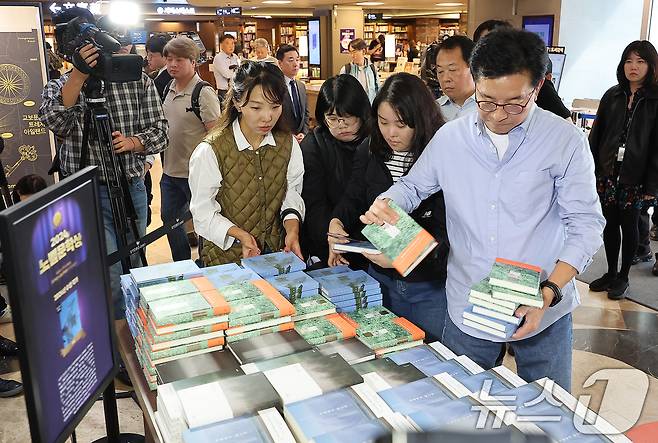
x: 248, y: 36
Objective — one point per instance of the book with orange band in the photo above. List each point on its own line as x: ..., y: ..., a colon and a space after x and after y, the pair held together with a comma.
x: 325, y: 329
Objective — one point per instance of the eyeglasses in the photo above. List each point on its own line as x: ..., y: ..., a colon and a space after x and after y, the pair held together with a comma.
x: 510, y: 108
x: 333, y: 121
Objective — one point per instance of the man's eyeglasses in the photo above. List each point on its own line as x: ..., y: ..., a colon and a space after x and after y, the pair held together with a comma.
x: 333, y: 121
x: 510, y: 108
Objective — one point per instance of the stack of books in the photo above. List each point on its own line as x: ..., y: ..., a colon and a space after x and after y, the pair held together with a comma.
x: 332, y: 327
x: 228, y: 274
x: 295, y: 285
x: 271, y: 265
x: 312, y: 307
x: 494, y: 300
x: 256, y: 308
x: 351, y: 291
x: 384, y: 332
x: 268, y: 346
x: 323, y: 272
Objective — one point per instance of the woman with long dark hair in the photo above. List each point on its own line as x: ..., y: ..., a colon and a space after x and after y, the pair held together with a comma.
x: 342, y: 114
x: 407, y: 118
x: 624, y: 145
x: 246, y: 176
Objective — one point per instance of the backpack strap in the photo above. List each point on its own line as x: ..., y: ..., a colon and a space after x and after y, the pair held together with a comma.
x: 348, y: 68
x: 166, y: 90
x: 374, y: 73
x: 196, y: 93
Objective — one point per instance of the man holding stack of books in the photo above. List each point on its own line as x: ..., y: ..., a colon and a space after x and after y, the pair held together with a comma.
x: 524, y: 191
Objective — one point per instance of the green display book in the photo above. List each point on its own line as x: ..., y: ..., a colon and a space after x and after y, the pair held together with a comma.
x: 329, y: 328
x: 312, y: 307
x: 517, y: 276
x: 406, y: 243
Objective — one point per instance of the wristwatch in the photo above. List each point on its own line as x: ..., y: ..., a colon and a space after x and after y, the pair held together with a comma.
x: 557, y: 293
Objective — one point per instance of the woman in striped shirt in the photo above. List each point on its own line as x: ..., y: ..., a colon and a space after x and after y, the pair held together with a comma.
x: 407, y: 118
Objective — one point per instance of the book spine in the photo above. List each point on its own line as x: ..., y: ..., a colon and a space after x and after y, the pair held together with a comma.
x: 505, y: 261
x: 421, y: 245
x: 183, y: 317
x: 183, y: 349
x: 259, y: 332
x: 218, y: 304
x: 414, y: 331
x: 153, y: 337
x: 251, y: 319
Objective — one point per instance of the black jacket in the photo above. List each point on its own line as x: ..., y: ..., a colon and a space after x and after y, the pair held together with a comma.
x: 640, y: 165
x: 161, y: 81
x: 327, y: 170
x: 370, y: 178
x: 548, y: 99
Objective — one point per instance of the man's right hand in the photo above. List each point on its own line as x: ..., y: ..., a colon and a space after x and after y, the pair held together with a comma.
x: 379, y: 213
x: 89, y: 53
x: 249, y: 246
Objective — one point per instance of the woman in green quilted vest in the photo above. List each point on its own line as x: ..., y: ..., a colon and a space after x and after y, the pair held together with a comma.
x: 246, y: 175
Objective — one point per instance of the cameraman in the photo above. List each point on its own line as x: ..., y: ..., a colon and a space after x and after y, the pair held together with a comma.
x: 138, y: 128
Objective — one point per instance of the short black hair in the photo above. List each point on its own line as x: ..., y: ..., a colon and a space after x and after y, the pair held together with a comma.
x: 488, y: 26
x: 28, y: 185
x: 224, y: 37
x: 647, y: 52
x: 507, y: 52
x: 157, y: 42
x: 283, y: 50
x: 414, y: 104
x: 458, y: 41
x: 343, y: 95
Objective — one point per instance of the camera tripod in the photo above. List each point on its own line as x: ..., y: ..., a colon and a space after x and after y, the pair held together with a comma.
x: 124, y: 217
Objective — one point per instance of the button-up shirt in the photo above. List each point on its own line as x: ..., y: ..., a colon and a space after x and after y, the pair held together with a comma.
x: 206, y: 180
x: 220, y: 66
x: 537, y: 205
x: 452, y: 110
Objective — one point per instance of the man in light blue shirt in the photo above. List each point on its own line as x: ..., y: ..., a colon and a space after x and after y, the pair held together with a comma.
x: 455, y: 78
x: 519, y: 184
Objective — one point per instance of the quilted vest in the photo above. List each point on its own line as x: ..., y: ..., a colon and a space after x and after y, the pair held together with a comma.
x: 254, y: 184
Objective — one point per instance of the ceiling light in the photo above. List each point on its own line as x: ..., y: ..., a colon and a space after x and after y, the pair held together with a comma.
x: 386, y: 17
x: 124, y: 12
x: 154, y: 19
x: 370, y: 3
x: 277, y: 2
x: 449, y: 4
x: 262, y: 16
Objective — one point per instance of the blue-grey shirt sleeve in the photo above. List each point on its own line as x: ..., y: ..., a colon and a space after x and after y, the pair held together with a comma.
x: 421, y: 181
x: 579, y: 207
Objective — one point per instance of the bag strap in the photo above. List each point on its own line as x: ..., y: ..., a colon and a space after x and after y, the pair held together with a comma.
x: 196, y: 93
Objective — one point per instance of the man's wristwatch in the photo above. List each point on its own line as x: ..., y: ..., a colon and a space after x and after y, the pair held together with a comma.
x: 557, y: 293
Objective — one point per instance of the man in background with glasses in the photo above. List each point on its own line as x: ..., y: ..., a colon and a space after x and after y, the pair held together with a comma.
x: 519, y: 184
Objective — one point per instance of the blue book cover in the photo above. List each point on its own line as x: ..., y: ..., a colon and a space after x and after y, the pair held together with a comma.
x: 413, y: 396
x: 295, y: 285
x: 453, y: 414
x: 476, y: 383
x: 364, y: 433
x: 328, y: 271
x: 277, y: 263
x: 492, y: 326
x: 226, y: 278
x: 347, y: 282
x: 524, y: 395
x: 247, y: 429
x: 422, y: 358
x: 563, y: 431
x: 375, y: 292
x: 151, y: 275
x: 364, y: 303
x: 220, y: 269
x: 328, y: 413
x: 129, y: 289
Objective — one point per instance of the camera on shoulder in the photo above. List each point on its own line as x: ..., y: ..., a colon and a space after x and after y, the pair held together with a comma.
x: 79, y: 31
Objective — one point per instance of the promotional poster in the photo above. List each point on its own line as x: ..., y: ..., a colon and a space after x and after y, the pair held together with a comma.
x: 64, y: 303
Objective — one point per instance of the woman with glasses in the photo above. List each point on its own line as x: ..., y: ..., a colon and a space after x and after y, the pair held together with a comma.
x: 407, y: 118
x: 361, y: 68
x: 342, y: 114
x: 624, y: 145
x: 246, y: 176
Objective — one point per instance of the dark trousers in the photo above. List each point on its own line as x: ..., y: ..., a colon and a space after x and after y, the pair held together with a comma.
x: 644, y: 226
x: 621, y: 230
x: 175, y: 196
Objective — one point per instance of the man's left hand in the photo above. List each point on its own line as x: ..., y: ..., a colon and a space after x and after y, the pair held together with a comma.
x: 125, y: 144
x: 532, y: 315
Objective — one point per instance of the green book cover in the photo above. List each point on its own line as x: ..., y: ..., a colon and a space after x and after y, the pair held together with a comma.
x: 482, y: 287
x: 239, y: 291
x: 311, y: 305
x: 365, y: 318
x: 406, y: 243
x: 152, y: 293
x: 317, y: 331
x: 384, y: 335
x: 536, y: 300
x: 516, y: 276
x: 179, y: 350
x: 180, y: 309
x: 246, y: 311
x: 178, y: 334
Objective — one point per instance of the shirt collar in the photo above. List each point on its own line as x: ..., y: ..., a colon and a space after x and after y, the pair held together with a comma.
x: 190, y: 85
x: 241, y: 140
x: 479, y: 123
x: 288, y: 79
x: 164, y: 68
x: 444, y: 100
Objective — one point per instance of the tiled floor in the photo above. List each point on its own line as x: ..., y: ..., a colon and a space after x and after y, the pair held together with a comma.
x: 621, y: 337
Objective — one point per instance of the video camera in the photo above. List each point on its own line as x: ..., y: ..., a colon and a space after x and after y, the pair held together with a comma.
x: 111, y: 67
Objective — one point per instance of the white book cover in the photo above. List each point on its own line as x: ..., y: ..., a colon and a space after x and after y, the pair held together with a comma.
x: 484, y: 321
x: 293, y: 383
x: 276, y: 426
x: 204, y: 405
x: 493, y: 305
x: 443, y: 350
x: 483, y: 328
x: 509, y: 376
x: 374, y: 402
x: 499, y: 315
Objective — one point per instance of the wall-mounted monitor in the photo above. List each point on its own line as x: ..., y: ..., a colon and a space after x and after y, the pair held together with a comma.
x: 558, y: 57
x: 542, y: 25
x: 314, y: 42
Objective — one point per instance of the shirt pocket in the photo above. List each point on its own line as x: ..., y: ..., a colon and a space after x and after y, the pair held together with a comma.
x: 528, y: 195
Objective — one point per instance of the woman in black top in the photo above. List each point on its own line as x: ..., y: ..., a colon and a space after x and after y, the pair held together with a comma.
x: 407, y: 118
x: 624, y: 144
x: 342, y: 114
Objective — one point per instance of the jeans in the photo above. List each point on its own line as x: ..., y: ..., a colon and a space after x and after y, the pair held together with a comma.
x: 422, y: 303
x: 175, y: 197
x: 138, y: 194
x: 547, y: 354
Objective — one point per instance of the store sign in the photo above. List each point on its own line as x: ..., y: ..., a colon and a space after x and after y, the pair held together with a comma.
x: 229, y: 12
x: 94, y: 7
x: 175, y: 10
x: 371, y: 17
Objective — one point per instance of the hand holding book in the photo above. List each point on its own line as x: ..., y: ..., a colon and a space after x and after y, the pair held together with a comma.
x: 249, y: 246
x: 379, y: 213
x: 532, y: 316
x: 336, y: 234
